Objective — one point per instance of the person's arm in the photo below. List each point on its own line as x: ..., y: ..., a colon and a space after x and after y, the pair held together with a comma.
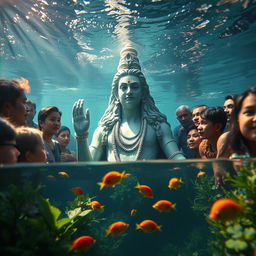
x: 81, y: 125
x: 168, y: 144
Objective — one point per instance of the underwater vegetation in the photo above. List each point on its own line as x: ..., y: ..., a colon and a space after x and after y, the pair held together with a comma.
x: 234, y: 231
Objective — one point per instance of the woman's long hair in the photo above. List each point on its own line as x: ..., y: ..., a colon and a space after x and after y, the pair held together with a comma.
x: 235, y: 139
x: 148, y: 107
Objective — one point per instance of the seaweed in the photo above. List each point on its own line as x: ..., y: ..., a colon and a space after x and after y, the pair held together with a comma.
x: 238, y: 237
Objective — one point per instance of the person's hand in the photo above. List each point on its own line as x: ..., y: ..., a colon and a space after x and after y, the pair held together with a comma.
x: 218, y: 170
x: 81, y: 121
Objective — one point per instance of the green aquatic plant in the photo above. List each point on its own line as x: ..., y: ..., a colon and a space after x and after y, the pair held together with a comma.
x: 238, y: 237
x: 31, y: 225
x: 205, y: 193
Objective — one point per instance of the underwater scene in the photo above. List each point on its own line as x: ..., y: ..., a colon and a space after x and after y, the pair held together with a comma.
x: 141, y: 208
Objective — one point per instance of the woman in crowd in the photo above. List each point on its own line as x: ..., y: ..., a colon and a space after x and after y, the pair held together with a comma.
x: 240, y: 141
x: 8, y: 149
x: 49, y: 123
x: 194, y: 140
x: 30, y: 144
x: 63, y: 137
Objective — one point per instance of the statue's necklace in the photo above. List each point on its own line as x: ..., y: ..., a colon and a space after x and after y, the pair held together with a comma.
x: 136, y: 144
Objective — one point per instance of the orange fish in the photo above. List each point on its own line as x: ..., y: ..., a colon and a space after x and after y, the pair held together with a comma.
x: 200, y: 173
x: 96, y: 205
x: 77, y: 191
x: 133, y: 212
x: 63, y: 174
x: 51, y: 177
x: 83, y: 243
x: 174, y: 183
x: 111, y: 179
x: 164, y: 206
x: 148, y: 226
x: 145, y: 190
x: 224, y: 209
x: 117, y: 228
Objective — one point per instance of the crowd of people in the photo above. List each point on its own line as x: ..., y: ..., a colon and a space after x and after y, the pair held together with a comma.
x: 204, y: 132
x: 132, y: 127
x: 23, y: 140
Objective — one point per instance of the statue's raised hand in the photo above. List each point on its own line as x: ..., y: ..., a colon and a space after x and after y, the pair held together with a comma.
x: 81, y: 121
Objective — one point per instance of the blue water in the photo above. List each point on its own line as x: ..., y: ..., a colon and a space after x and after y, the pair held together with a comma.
x: 190, y: 51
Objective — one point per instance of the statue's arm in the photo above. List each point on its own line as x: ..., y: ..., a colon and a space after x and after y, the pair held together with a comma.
x: 97, y: 147
x: 168, y: 144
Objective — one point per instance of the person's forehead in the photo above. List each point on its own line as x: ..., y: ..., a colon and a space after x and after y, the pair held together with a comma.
x: 182, y: 110
x: 228, y: 101
x: 129, y: 79
x: 198, y: 109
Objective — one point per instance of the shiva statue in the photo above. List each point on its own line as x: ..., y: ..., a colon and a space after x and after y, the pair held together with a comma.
x: 132, y: 127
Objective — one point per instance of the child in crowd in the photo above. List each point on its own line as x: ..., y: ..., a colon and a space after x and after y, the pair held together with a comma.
x: 63, y: 137
x: 212, y: 123
x: 49, y: 123
x: 30, y: 144
x: 8, y: 149
x: 194, y: 140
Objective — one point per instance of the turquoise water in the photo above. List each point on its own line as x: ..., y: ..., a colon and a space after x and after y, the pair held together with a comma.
x: 184, y: 230
x: 190, y: 51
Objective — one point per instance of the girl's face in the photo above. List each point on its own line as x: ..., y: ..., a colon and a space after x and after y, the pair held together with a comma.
x: 9, y: 153
x: 193, y: 139
x: 38, y: 155
x: 51, y: 124
x: 64, y: 138
x: 247, y: 118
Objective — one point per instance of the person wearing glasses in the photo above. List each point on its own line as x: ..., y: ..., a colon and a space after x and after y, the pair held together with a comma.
x: 8, y: 148
x: 180, y: 132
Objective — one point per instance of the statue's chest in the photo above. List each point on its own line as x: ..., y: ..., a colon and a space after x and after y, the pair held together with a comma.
x: 127, y: 146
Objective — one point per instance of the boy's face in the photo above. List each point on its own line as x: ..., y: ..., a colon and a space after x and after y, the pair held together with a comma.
x: 207, y: 129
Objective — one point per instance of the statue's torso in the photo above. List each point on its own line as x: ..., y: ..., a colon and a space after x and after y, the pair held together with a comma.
x: 149, y: 149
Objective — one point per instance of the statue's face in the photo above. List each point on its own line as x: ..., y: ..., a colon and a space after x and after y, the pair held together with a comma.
x: 129, y: 90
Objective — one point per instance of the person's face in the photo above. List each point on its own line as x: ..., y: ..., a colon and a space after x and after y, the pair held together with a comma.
x: 196, y: 115
x: 193, y: 139
x: 30, y: 112
x: 184, y: 117
x: 51, y: 124
x: 247, y: 118
x: 38, y: 155
x: 17, y: 112
x: 129, y: 91
x: 206, y: 129
x: 228, y: 108
x: 9, y: 153
x: 64, y: 138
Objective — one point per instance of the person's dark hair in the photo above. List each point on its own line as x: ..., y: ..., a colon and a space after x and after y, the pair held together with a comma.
x: 44, y: 112
x: 191, y: 127
x: 7, y: 133
x: 11, y: 90
x: 199, y: 106
x: 27, y: 139
x: 31, y: 103
x: 215, y: 115
x: 229, y: 97
x: 234, y: 138
x: 62, y: 129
